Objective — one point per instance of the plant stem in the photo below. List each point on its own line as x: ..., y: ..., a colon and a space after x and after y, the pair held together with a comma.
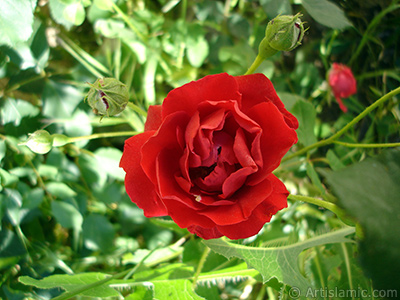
x: 356, y: 145
x: 342, y: 131
x: 101, y: 135
x: 200, y: 265
x: 127, y: 21
x: 319, y: 202
x: 256, y: 63
x: 183, y: 9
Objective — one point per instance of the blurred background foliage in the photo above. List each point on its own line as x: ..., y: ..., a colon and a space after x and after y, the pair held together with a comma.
x: 67, y: 212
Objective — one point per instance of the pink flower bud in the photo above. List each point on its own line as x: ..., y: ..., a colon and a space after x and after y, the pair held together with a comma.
x: 342, y: 82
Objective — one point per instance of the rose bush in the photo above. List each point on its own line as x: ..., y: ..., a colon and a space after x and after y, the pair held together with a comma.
x: 207, y: 154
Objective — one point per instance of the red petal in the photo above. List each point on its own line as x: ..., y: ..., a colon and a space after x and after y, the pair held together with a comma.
x: 261, y: 214
x: 276, y: 139
x: 205, y: 233
x: 186, y: 98
x: 154, y: 119
x: 139, y: 188
x: 244, y: 201
x: 255, y: 89
x: 167, y: 136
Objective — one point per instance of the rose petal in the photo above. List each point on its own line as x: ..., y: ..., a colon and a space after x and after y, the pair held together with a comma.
x: 154, y: 119
x: 257, y: 88
x: 213, y: 87
x: 235, y: 181
x: 205, y: 233
x: 276, y: 139
x: 139, y: 188
x: 262, y: 214
x: 167, y: 136
x: 245, y: 200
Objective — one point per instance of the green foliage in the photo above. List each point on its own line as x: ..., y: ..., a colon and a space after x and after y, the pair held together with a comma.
x: 366, y: 190
x: 326, y: 13
x: 16, y: 21
x: 66, y: 223
x: 278, y: 262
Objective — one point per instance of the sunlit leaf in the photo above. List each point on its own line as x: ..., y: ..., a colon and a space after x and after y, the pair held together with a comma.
x: 72, y: 282
x: 98, y: 233
x: 60, y: 100
x: 279, y: 262
x: 60, y: 189
x: 14, y: 110
x: 306, y: 115
x: 66, y: 214
x: 16, y: 19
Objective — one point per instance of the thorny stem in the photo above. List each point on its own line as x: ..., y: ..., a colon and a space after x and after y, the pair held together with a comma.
x: 342, y: 131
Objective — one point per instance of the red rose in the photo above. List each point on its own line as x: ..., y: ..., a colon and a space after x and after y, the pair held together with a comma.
x: 207, y: 153
x: 342, y: 82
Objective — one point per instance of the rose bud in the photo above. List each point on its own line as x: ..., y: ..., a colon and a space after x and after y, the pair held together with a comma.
x: 207, y: 154
x: 342, y: 83
x: 107, y: 96
x: 40, y: 142
x: 283, y: 33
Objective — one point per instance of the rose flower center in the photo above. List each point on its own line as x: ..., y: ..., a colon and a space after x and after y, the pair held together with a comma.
x: 220, y: 160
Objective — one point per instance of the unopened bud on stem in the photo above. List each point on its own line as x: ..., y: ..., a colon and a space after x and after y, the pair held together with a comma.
x: 283, y: 33
x: 107, y: 96
x: 41, y: 141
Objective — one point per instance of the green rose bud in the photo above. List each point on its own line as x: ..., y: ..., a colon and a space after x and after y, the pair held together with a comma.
x: 284, y: 33
x: 107, y: 96
x: 40, y: 142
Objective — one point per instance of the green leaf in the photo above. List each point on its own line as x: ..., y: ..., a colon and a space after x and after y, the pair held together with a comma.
x: 279, y: 262
x: 10, y: 244
x: 67, y: 12
x: 67, y: 215
x: 78, y: 125
x: 16, y: 20
x: 14, y: 111
x: 197, y: 46
x: 274, y: 8
x: 60, y: 100
x: 334, y: 161
x: 3, y: 149
x: 98, y: 233
x: 156, y: 256
x: 326, y: 13
x: 369, y: 191
x: 72, y: 282
x: 149, y: 78
x: 175, y: 289
x: 60, y: 190
x: 108, y: 162
x: 306, y: 115
x: 103, y: 4
x: 314, y: 177
x: 74, y: 13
